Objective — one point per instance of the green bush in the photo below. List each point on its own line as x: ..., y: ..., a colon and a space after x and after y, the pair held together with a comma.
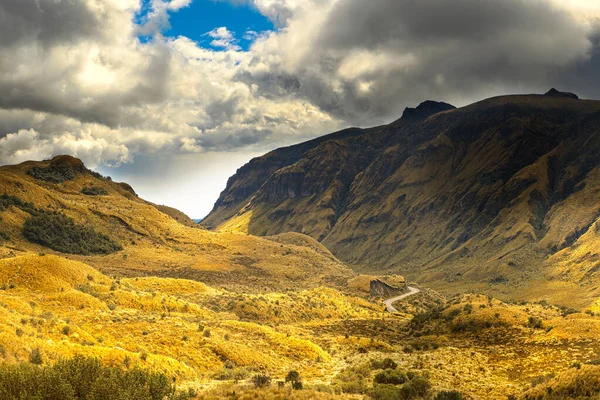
x: 415, y: 388
x: 4, y: 237
x: 294, y: 378
x: 385, y: 392
x: 261, y: 381
x: 94, y: 191
x: 231, y: 374
x: 7, y: 201
x: 386, y: 363
x: 449, y: 395
x: 54, y: 173
x: 390, y: 377
x: 353, y: 380
x: 35, y: 357
x: 535, y: 323
x: 83, y: 378
x: 61, y: 233
x: 61, y: 169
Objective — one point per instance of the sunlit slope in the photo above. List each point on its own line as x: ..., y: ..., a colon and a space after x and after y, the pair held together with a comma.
x: 150, y: 241
x: 496, y: 196
x: 181, y: 327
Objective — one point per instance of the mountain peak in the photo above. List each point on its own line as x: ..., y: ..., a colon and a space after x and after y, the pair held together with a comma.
x: 425, y: 110
x: 556, y: 93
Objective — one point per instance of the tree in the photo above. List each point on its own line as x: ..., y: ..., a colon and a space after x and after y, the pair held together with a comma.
x: 294, y: 378
x: 261, y: 381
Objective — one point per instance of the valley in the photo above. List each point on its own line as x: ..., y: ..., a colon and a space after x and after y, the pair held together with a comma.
x: 228, y: 315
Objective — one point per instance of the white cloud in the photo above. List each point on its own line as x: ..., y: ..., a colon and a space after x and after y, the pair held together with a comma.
x: 223, y: 38
x: 75, y: 78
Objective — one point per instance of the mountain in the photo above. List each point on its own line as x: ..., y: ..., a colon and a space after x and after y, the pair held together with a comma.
x: 498, y: 196
x: 60, y: 207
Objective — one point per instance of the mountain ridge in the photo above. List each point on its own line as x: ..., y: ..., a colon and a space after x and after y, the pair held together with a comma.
x: 454, y: 199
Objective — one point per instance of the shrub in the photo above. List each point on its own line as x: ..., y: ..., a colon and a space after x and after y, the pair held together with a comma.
x: 4, y: 237
x: 385, y: 392
x: 390, y: 377
x: 386, y: 363
x: 449, y: 395
x: 535, y: 323
x: 35, y: 357
x: 61, y: 233
x: 231, y: 374
x: 294, y: 378
x: 61, y: 169
x: 352, y: 380
x: 261, y: 381
x: 7, y: 201
x: 66, y: 330
x: 94, y: 191
x: 417, y: 387
x: 84, y: 378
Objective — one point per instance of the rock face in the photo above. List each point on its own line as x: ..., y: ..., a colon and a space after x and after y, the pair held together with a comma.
x: 499, y: 193
x: 381, y: 289
x: 555, y: 93
x: 425, y: 110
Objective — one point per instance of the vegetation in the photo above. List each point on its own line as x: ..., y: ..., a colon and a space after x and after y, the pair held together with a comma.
x: 83, y: 378
x: 449, y: 395
x: 94, y: 191
x: 61, y: 233
x: 56, y: 173
x: 7, y: 201
x: 261, y: 380
x: 390, y: 377
x: 293, y: 377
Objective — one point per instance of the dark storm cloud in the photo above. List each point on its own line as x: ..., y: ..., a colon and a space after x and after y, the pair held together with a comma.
x: 584, y: 77
x: 46, y: 21
x: 386, y: 54
x: 357, y: 23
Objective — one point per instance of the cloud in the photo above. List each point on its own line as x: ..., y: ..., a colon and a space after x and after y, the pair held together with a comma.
x: 29, y: 145
x: 223, y: 38
x: 75, y: 77
x: 358, y: 61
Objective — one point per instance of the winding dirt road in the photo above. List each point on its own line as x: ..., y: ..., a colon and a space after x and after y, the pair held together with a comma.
x: 388, y: 303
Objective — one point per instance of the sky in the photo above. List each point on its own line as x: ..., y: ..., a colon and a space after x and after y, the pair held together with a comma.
x: 172, y: 96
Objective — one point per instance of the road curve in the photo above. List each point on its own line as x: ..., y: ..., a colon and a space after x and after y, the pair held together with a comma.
x: 388, y: 303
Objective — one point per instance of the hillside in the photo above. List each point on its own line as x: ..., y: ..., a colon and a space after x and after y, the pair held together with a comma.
x: 214, y: 341
x: 498, y: 196
x: 60, y: 207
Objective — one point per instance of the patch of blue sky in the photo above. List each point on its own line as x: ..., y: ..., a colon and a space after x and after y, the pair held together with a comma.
x: 203, y: 16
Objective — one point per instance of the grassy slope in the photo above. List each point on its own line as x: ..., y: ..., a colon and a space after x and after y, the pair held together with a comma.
x: 482, y: 346
x: 156, y: 244
x: 160, y: 323
x: 498, y: 196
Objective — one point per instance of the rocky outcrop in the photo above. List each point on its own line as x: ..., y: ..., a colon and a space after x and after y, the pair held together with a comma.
x: 382, y: 288
x: 555, y: 93
x: 425, y: 110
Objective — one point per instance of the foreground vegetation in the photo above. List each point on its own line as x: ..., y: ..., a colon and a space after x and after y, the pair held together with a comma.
x: 84, y: 378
